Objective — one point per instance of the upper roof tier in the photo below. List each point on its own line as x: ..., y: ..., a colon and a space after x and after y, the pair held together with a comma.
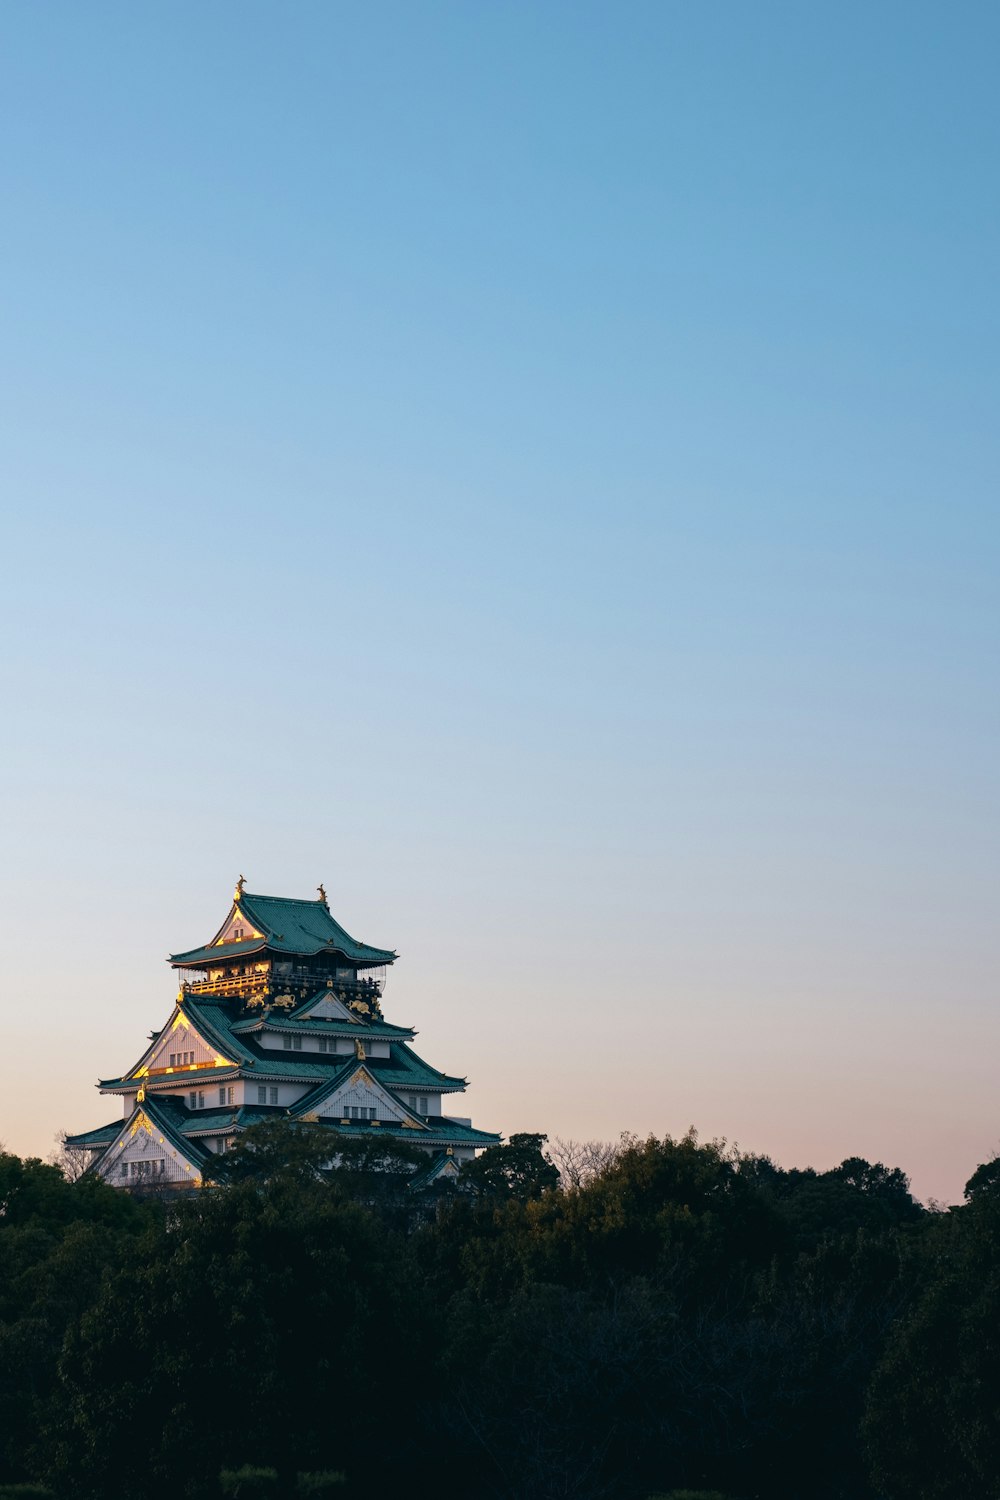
x: 280, y: 924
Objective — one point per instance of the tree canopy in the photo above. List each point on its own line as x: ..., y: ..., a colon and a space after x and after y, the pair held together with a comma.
x: 672, y: 1317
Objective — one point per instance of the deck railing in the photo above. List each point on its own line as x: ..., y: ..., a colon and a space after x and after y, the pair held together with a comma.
x: 277, y: 984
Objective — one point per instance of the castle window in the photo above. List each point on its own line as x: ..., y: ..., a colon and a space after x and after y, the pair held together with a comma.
x: 124, y: 1168
x: 226, y: 1096
x: 297, y: 1043
x: 287, y: 1043
x: 322, y: 1044
x: 261, y: 1094
x: 423, y: 1105
x: 274, y: 1096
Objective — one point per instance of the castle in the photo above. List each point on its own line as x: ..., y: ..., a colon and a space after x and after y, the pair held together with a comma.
x: 279, y: 1016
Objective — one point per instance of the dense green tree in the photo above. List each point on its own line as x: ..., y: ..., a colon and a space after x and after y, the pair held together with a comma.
x: 261, y: 1305
x: 57, y: 1243
x: 932, y: 1427
x: 518, y: 1169
x: 985, y: 1180
x: 680, y: 1316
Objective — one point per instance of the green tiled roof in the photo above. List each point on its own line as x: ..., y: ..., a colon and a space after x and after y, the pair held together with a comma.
x: 103, y: 1135
x: 402, y: 1069
x: 183, y: 1126
x: 290, y: 926
x: 441, y: 1130
x: 195, y: 1122
x: 318, y: 1026
x: 436, y: 1163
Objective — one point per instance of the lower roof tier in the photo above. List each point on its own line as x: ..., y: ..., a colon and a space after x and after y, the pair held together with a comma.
x: 194, y: 1126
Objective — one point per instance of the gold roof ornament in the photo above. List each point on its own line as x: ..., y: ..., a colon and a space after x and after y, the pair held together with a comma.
x: 239, y: 887
x: 141, y: 1094
x: 322, y: 892
x: 359, y: 1048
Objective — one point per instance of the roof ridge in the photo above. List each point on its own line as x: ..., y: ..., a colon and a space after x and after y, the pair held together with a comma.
x: 296, y: 900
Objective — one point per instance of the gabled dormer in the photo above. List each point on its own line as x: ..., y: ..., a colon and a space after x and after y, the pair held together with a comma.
x: 358, y: 1096
x: 327, y: 1006
x: 185, y: 1046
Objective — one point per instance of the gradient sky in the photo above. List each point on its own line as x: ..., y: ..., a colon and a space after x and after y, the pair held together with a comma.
x: 532, y: 467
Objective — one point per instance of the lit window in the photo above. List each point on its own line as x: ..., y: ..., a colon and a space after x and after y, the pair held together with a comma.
x: 261, y: 1094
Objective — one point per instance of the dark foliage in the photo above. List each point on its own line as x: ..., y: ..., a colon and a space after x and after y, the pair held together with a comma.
x: 683, y: 1320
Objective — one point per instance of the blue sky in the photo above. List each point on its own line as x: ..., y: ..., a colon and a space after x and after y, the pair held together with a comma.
x: 534, y: 469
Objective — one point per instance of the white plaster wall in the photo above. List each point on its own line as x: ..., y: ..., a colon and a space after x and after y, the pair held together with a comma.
x: 211, y: 1092
x: 413, y: 1097
x: 287, y: 1092
x: 274, y: 1041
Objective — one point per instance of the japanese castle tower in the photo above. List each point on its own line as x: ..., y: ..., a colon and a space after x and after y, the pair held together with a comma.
x: 279, y: 1016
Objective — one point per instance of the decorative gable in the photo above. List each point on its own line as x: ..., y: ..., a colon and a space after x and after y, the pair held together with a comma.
x: 142, y: 1155
x: 238, y: 929
x: 329, y: 1008
x: 178, y: 1047
x: 361, y: 1097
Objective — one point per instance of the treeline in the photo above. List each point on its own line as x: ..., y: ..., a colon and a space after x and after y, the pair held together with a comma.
x: 658, y: 1317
